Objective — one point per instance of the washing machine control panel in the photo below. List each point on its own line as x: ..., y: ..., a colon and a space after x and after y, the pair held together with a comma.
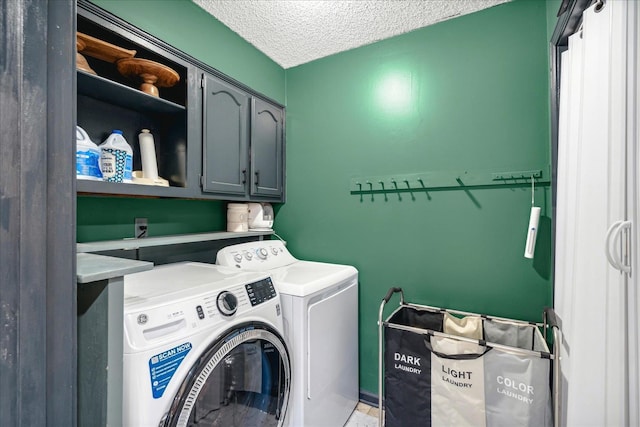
x: 158, y: 311
x: 261, y: 291
x: 262, y: 255
x: 225, y: 303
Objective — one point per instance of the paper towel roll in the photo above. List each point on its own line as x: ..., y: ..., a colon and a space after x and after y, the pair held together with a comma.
x: 237, y: 217
x: 237, y: 226
x: 148, y: 155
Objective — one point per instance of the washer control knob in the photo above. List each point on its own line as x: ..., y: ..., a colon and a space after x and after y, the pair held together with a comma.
x: 248, y: 256
x: 227, y: 303
x: 262, y: 253
x: 274, y: 251
x: 237, y: 257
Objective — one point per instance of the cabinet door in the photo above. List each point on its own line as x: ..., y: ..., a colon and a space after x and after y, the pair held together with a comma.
x: 267, y: 165
x: 225, y: 137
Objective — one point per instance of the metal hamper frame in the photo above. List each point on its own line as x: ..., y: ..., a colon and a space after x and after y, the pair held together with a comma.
x: 549, y: 321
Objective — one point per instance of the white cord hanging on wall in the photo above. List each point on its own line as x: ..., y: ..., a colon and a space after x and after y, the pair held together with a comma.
x: 532, y: 230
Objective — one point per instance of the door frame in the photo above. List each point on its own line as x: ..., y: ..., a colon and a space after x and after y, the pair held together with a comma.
x: 569, y: 20
x: 37, y: 214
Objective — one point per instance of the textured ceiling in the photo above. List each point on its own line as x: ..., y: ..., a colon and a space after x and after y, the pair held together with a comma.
x: 292, y: 32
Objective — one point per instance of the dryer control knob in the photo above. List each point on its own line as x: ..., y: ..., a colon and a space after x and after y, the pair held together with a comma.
x: 227, y: 303
x: 237, y: 257
x: 262, y: 253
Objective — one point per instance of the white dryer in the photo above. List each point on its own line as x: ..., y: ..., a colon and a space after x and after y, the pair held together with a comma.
x: 203, y: 347
x: 320, y: 307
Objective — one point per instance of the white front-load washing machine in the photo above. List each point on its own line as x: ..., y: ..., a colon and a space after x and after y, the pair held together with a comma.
x: 320, y: 309
x: 203, y: 346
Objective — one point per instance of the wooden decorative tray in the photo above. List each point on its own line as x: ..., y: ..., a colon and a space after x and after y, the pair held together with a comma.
x: 153, y: 74
x: 81, y: 61
x: 102, y: 50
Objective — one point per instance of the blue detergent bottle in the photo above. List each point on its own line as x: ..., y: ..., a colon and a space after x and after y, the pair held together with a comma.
x: 116, y: 158
x: 87, y: 157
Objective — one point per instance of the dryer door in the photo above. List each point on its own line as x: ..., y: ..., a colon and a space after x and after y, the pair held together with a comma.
x: 243, y: 379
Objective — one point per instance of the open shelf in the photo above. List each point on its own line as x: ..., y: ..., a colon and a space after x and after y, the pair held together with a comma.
x: 117, y: 188
x: 146, y: 242
x: 115, y: 93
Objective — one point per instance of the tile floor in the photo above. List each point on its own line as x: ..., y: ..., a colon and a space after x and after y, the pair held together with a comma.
x: 363, y: 416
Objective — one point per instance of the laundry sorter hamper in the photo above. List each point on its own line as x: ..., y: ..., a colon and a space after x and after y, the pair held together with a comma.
x: 443, y: 367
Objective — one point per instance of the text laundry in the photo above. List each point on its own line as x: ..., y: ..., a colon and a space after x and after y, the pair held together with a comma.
x: 409, y: 369
x: 456, y: 383
x: 517, y: 396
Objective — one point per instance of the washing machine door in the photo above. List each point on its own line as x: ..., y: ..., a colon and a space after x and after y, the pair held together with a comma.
x: 243, y: 379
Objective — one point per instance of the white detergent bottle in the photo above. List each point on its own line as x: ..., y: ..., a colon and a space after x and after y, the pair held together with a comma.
x: 87, y: 156
x: 116, y: 158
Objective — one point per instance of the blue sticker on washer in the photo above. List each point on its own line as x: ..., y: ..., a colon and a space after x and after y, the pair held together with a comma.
x: 162, y: 366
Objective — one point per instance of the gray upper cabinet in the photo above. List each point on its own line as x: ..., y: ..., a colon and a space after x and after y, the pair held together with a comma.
x: 225, y: 137
x: 215, y: 138
x: 266, y: 149
x: 243, y: 143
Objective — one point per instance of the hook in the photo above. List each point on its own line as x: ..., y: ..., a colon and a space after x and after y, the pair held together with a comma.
x: 424, y: 188
x: 533, y: 189
x: 383, y: 190
x: 395, y: 185
x: 406, y: 181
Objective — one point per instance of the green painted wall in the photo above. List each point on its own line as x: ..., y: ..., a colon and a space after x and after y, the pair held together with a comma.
x: 105, y: 218
x: 470, y: 93
x: 205, y: 38
x: 552, y: 11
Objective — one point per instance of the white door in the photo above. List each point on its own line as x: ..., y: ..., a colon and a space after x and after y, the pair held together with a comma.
x: 590, y: 293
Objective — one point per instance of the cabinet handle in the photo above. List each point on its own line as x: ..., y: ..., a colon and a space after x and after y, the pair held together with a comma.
x: 257, y: 177
x: 244, y: 176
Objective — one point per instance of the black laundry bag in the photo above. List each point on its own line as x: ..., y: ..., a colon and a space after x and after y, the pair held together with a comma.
x: 408, y: 373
